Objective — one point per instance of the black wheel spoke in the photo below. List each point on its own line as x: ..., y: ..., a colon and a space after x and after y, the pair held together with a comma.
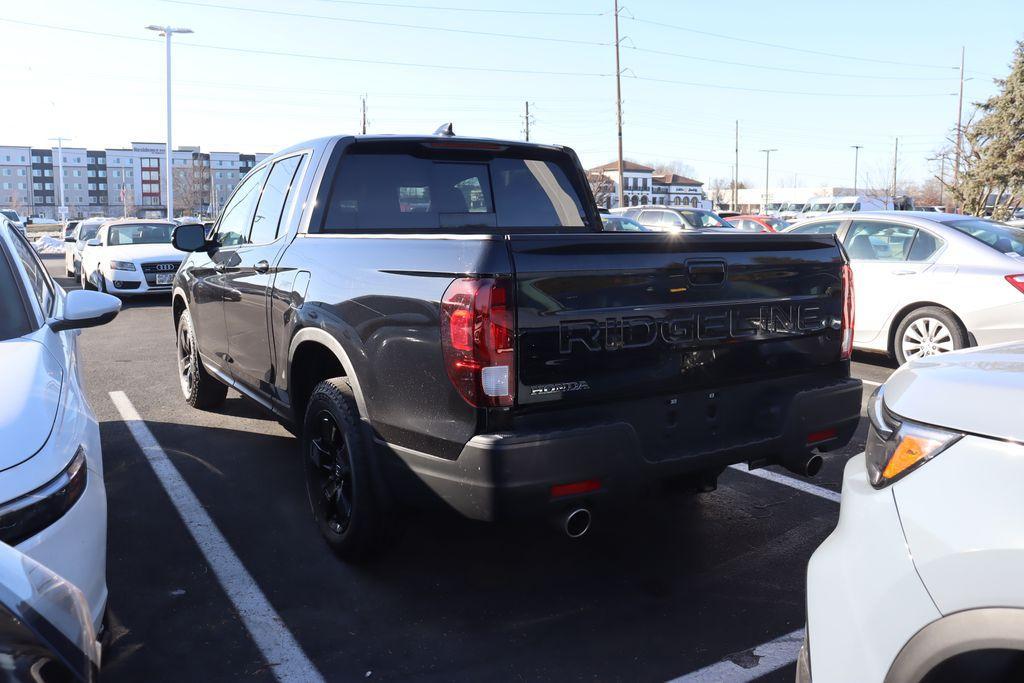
x: 329, y: 470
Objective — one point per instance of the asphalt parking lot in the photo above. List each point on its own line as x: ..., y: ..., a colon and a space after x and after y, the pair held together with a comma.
x: 655, y: 593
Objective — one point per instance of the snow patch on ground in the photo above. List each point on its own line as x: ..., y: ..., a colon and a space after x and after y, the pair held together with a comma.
x: 48, y: 244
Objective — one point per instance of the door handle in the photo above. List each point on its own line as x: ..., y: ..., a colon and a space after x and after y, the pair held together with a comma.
x: 261, y: 267
x: 905, y: 272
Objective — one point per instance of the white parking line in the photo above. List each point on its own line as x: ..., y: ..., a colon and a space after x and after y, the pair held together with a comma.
x: 280, y: 649
x: 792, y: 483
x: 764, y: 659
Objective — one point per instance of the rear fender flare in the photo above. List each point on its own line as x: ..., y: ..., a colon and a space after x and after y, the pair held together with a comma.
x: 315, y: 334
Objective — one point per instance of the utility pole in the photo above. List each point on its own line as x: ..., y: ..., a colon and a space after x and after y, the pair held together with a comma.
x: 767, y: 157
x: 959, y: 129
x: 895, y: 160
x: 61, y: 207
x: 526, y: 119
x: 618, y: 103
x: 167, y: 32
x: 856, y: 158
x: 736, y: 170
x: 364, y: 114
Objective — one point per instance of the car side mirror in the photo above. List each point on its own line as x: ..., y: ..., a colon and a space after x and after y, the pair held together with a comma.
x: 70, y: 238
x: 86, y: 308
x: 94, y: 242
x: 190, y: 237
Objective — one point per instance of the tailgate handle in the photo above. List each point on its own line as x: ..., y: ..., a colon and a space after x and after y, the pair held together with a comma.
x: 706, y: 272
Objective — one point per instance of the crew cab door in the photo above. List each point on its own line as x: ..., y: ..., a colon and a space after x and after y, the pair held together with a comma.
x: 211, y: 271
x: 249, y: 275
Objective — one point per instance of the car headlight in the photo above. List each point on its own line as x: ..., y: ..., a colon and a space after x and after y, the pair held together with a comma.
x: 896, y: 447
x: 122, y: 265
x: 26, y: 516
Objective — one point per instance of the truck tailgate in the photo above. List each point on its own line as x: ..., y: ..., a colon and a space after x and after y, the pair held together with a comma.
x: 610, y: 315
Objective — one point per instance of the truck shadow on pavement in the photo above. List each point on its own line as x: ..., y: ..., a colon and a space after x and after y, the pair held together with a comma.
x: 652, y: 592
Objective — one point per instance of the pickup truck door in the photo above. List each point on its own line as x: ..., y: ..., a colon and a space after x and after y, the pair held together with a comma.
x: 212, y: 286
x: 250, y: 275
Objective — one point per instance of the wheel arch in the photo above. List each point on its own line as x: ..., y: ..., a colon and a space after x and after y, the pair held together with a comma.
x: 313, y: 356
x: 901, y: 314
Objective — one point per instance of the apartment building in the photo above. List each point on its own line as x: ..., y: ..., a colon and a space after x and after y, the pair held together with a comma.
x: 118, y: 181
x: 642, y: 186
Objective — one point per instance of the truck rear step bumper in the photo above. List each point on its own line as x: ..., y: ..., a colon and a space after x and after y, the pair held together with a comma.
x: 508, y: 475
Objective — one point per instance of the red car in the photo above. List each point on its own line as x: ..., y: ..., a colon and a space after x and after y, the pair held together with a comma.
x: 758, y: 223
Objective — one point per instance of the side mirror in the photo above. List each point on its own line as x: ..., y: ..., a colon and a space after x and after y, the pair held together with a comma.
x: 189, y: 237
x: 94, y: 242
x: 86, y: 308
x: 70, y: 238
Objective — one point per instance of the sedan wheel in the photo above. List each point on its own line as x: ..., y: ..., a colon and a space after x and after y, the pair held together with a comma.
x: 926, y: 337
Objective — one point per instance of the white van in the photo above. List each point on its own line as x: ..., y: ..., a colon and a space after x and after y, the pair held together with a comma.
x: 816, y: 206
x: 860, y: 203
x: 791, y: 210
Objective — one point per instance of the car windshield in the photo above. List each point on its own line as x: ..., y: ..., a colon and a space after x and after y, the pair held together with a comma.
x: 776, y: 223
x: 1003, y: 238
x: 10, y: 214
x: 14, y: 320
x: 820, y: 206
x: 140, y: 233
x: 705, y: 219
x: 621, y: 224
x: 88, y: 232
x: 845, y: 206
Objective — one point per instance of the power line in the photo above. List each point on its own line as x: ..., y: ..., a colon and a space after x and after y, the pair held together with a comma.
x: 788, y: 47
x: 479, y: 10
x: 388, y: 24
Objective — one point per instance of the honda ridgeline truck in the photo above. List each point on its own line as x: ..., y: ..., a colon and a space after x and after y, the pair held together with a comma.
x: 442, y: 318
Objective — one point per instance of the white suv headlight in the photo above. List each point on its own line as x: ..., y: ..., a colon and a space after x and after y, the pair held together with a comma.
x: 896, y: 447
x: 29, y: 514
x: 122, y: 265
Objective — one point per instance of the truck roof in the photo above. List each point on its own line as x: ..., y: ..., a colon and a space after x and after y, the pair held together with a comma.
x: 454, y: 141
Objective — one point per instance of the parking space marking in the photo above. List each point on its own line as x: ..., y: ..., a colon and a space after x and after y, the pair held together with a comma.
x: 767, y: 658
x: 282, y: 652
x: 797, y: 484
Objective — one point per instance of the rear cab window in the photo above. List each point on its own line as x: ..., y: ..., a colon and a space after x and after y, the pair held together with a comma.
x: 451, y: 186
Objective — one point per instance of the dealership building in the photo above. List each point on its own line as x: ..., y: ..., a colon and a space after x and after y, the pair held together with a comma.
x: 118, y: 181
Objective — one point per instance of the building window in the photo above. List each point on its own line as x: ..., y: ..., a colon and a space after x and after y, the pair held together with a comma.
x: 21, y: 172
x: 37, y: 186
x: 101, y: 174
x: 103, y: 186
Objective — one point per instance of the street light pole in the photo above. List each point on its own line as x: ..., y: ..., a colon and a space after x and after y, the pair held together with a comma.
x: 618, y: 105
x: 167, y: 32
x: 60, y: 175
x: 856, y: 158
x: 767, y: 157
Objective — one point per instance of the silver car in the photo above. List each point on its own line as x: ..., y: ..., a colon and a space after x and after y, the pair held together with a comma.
x: 927, y: 283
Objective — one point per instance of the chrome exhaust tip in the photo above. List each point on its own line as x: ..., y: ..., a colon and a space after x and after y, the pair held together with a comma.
x: 576, y: 523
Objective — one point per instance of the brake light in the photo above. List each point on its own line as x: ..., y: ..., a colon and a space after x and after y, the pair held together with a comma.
x: 1017, y: 281
x: 846, y: 330
x: 478, y: 340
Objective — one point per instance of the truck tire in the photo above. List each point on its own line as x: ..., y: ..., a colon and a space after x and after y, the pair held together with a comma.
x: 200, y: 388
x: 339, y: 473
x: 926, y: 332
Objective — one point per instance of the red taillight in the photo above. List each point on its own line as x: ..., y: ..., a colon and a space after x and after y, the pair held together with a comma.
x: 846, y: 330
x: 823, y: 435
x: 478, y: 340
x: 575, y: 488
x: 1017, y: 281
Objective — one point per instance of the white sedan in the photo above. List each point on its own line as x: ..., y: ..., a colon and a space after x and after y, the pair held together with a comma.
x: 922, y: 576
x: 131, y: 257
x: 929, y: 283
x: 53, y: 505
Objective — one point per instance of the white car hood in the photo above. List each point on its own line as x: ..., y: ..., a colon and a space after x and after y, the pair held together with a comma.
x: 141, y: 252
x: 975, y: 390
x: 31, y: 379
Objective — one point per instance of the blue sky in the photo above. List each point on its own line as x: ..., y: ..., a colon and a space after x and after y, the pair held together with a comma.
x: 880, y: 69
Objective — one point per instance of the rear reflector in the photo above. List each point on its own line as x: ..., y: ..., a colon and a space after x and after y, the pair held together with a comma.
x: 575, y: 488
x: 1017, y: 281
x: 823, y: 435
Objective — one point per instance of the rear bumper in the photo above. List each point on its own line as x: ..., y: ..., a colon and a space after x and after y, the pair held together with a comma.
x: 506, y: 475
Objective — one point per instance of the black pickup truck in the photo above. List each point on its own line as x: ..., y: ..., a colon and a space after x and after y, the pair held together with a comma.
x: 442, y: 318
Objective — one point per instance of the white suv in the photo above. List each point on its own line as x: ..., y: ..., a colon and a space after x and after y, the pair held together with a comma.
x: 922, y: 577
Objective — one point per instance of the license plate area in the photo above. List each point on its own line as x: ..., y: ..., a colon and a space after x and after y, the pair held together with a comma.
x: 164, y: 278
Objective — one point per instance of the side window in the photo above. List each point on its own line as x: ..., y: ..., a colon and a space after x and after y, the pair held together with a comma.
x: 269, y: 210
x: 670, y: 219
x: 38, y: 279
x: 648, y: 217
x: 236, y: 219
x: 925, y: 244
x: 825, y: 228
x: 879, y: 241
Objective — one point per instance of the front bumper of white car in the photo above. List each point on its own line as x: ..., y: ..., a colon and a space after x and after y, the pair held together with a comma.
x: 864, y: 597
x: 147, y: 278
